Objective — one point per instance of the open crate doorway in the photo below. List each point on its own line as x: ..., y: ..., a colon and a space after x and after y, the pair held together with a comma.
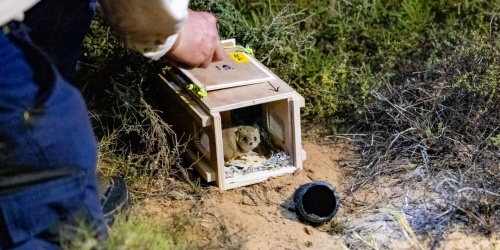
x: 270, y: 158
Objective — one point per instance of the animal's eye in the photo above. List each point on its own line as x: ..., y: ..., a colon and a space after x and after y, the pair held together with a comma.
x: 245, y: 138
x: 255, y: 138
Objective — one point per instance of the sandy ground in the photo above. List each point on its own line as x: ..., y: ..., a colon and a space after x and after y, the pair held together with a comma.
x: 260, y: 208
x: 257, y: 218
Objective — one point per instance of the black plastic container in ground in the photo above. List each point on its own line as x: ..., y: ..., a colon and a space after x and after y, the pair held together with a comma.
x: 316, y: 202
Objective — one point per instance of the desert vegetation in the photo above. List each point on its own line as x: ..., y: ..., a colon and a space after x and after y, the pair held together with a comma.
x: 412, y: 85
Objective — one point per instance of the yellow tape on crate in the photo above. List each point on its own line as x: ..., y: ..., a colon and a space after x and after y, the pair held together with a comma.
x: 239, y: 57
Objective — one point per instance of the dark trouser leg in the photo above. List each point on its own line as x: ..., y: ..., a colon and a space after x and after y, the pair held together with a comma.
x: 44, y: 127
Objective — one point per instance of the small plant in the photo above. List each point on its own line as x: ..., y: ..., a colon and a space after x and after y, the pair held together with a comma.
x: 494, y: 140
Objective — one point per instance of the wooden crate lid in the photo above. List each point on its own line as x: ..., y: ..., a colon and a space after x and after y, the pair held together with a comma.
x: 231, y: 98
x: 244, y: 82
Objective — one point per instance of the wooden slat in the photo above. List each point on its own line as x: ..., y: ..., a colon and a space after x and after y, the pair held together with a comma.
x: 256, y: 177
x: 280, y: 110
x: 234, y: 98
x: 216, y: 151
x: 296, y: 139
x: 203, y: 168
x: 302, y: 101
x: 193, y: 108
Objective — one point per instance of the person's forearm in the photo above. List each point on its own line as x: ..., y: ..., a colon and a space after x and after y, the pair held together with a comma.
x: 14, y: 9
x: 149, y: 27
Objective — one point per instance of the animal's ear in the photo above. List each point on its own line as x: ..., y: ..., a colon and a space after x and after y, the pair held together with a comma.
x: 238, y: 132
x: 256, y: 130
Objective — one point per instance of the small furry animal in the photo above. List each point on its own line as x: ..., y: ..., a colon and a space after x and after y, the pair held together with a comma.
x: 239, y: 140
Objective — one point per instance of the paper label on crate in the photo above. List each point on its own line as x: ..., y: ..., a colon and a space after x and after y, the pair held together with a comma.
x: 239, y: 57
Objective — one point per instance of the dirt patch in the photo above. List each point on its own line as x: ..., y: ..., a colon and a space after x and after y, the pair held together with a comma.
x: 260, y: 210
x: 256, y: 216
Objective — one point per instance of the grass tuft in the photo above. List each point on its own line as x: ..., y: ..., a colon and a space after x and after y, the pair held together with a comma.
x: 438, y: 120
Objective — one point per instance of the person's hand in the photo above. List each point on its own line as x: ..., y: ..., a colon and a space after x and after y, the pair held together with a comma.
x: 198, y: 43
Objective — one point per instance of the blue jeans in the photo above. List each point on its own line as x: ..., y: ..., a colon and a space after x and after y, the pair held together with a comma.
x: 48, y: 151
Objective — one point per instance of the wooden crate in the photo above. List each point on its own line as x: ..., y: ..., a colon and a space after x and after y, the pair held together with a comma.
x: 275, y: 103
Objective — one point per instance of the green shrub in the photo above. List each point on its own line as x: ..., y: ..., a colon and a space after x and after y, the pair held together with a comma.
x: 335, y: 52
x: 119, y: 87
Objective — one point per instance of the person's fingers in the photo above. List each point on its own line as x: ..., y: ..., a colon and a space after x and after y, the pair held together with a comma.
x: 198, y: 43
x: 219, y: 53
x: 206, y: 63
x: 209, y: 18
x: 218, y: 50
